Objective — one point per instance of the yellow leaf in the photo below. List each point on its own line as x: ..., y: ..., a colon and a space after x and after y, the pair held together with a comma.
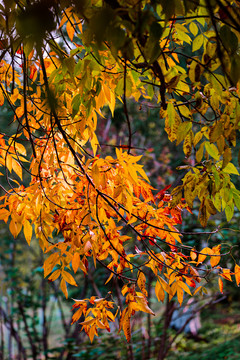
x: 199, y: 153
x: 183, y: 130
x: 197, y: 137
x: 227, y: 157
x: 171, y: 113
x: 193, y: 28
x: 27, y: 230
x: 197, y: 42
x: 231, y: 169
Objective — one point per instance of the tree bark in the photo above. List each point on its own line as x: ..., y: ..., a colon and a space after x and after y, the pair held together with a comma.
x: 32, y: 344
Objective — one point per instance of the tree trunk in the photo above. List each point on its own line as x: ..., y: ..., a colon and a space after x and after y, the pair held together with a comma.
x: 9, y: 324
x: 167, y: 319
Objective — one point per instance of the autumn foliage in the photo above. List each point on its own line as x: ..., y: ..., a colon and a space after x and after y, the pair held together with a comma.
x: 64, y: 62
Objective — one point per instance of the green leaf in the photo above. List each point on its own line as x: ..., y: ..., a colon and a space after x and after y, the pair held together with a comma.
x: 75, y: 104
x: 235, y: 68
x: 229, y: 39
x: 227, y: 157
x: 229, y: 210
x: 182, y: 131
x: 171, y: 113
x: 156, y: 31
x: 231, y: 169
x: 197, y: 42
x: 193, y: 28
x: 212, y: 150
x: 236, y: 197
x: 187, y: 145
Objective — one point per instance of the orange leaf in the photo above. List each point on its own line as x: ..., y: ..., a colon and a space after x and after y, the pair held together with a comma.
x: 142, y: 282
x: 49, y: 263
x: 70, y: 30
x: 127, y: 327
x: 75, y: 262
x: 89, y: 321
x: 92, y: 333
x: 111, y: 275
x: 55, y: 275
x: 180, y: 295
x: 17, y: 168
x: 143, y: 305
x: 214, y: 260
x: 184, y: 287
x: 15, y: 228
x: 204, y: 252
x: 226, y: 274
x: 121, y: 319
x: 68, y: 278
x: 237, y: 274
x: 27, y: 230
x: 193, y: 255
x: 63, y: 287
x: 4, y: 214
x: 197, y: 290
x: 220, y: 284
x: 77, y: 315
x: 160, y: 293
